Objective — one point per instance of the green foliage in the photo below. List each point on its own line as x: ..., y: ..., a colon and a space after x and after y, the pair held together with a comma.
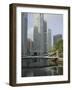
x: 59, y: 46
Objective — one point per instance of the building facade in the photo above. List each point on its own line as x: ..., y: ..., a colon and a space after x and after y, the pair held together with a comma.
x: 36, y: 42
x: 49, y: 43
x: 41, y: 34
x: 24, y: 19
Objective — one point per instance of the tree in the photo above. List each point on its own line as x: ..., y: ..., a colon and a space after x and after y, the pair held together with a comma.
x: 59, y: 47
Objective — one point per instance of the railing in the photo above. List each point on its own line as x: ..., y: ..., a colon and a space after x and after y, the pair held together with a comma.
x: 51, y: 60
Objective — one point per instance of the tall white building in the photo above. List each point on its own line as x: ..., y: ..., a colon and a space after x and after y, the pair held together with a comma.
x: 36, y: 21
x: 36, y: 42
x: 40, y: 34
x: 36, y: 32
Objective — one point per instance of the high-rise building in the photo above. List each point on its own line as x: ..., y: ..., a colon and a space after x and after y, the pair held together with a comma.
x: 36, y: 21
x: 40, y: 34
x: 37, y: 33
x: 24, y: 26
x: 45, y: 37
x: 56, y: 38
x: 49, y: 42
x: 36, y: 42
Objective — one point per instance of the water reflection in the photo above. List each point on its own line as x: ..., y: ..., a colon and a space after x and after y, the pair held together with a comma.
x: 40, y: 67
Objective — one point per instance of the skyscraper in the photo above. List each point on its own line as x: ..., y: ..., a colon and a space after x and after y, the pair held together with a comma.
x: 24, y: 26
x: 40, y: 34
x: 49, y: 43
x: 36, y: 21
x: 36, y: 37
x: 36, y: 43
x: 45, y: 36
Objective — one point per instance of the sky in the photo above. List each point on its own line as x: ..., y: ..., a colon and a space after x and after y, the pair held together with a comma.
x: 54, y: 22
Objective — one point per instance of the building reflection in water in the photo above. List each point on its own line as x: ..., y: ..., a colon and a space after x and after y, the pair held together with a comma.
x: 41, y: 67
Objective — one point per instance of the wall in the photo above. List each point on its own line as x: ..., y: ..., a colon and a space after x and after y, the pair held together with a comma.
x: 4, y: 45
